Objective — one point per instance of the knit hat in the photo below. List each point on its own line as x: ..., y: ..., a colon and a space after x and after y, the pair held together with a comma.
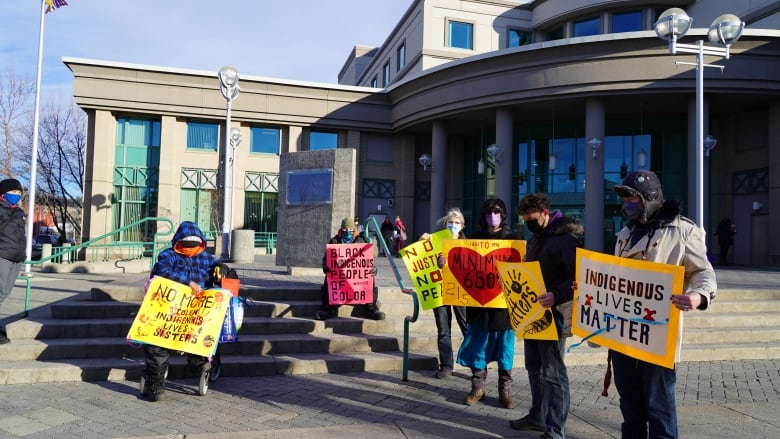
x: 190, y: 241
x: 647, y: 186
x: 9, y: 184
x: 347, y: 223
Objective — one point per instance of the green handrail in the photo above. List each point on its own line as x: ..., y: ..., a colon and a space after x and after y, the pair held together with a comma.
x: 72, y: 250
x: 415, y: 304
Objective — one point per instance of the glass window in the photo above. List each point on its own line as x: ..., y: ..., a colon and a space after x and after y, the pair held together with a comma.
x: 373, y: 82
x: 401, y: 57
x: 518, y: 38
x: 202, y: 135
x: 555, y: 34
x: 265, y: 140
x: 590, y: 26
x: 386, y: 74
x: 319, y: 140
x: 626, y: 21
x: 460, y: 35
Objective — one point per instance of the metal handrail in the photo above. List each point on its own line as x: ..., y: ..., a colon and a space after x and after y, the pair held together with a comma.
x: 415, y: 303
x: 72, y: 250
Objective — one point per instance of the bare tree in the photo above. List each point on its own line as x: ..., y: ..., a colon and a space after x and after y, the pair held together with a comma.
x: 15, y: 96
x: 61, y: 151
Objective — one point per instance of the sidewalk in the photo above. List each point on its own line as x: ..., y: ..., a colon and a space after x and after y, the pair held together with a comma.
x: 715, y: 399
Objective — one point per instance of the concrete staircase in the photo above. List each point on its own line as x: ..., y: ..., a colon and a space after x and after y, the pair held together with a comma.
x: 83, y: 338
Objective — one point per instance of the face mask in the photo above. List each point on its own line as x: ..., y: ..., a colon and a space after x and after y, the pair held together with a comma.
x: 493, y: 219
x: 346, y: 236
x: 534, y: 226
x: 633, y: 210
x: 13, y: 199
x: 454, y: 229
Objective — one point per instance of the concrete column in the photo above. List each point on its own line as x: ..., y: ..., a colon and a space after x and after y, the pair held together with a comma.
x: 295, y: 139
x: 693, y: 198
x: 504, y: 164
x: 438, y: 171
x: 594, y: 177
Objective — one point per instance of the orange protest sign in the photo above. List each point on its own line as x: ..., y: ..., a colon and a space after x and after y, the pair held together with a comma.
x: 172, y: 317
x: 522, y: 284
x: 625, y: 304
x: 351, y: 276
x: 471, y: 273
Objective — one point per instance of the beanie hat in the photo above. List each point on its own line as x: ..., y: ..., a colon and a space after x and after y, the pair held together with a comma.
x: 347, y: 223
x: 645, y: 185
x: 191, y: 241
x: 9, y: 184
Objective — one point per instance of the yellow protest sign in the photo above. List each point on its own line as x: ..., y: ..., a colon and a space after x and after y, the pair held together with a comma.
x: 471, y: 273
x: 625, y: 304
x: 421, y: 260
x: 351, y: 276
x: 522, y: 284
x: 172, y: 317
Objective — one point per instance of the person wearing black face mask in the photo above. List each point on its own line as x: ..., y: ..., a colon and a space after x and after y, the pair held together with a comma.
x: 656, y: 231
x: 347, y: 234
x: 12, y: 239
x: 554, y: 245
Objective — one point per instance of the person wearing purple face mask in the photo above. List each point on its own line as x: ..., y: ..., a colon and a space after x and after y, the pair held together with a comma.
x: 489, y: 336
x: 12, y: 239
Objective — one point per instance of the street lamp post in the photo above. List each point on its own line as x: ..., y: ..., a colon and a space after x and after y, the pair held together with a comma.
x: 228, y: 85
x: 724, y: 31
x: 235, y: 140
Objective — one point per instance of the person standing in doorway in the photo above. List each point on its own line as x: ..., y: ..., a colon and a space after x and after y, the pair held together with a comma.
x: 726, y: 231
x: 400, y: 229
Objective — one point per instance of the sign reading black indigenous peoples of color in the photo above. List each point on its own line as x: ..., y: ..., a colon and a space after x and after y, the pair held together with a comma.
x: 522, y: 284
x: 471, y: 273
x: 172, y: 317
x: 625, y: 304
x: 351, y: 276
x: 421, y: 260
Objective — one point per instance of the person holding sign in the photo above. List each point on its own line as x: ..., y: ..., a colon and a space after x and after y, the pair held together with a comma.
x: 490, y: 336
x: 454, y: 222
x: 554, y: 244
x: 657, y: 232
x: 186, y: 262
x: 346, y: 234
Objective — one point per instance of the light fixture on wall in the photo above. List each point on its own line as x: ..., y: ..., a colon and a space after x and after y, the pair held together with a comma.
x: 709, y: 143
x: 493, y: 151
x: 425, y: 161
x: 595, y: 144
x: 641, y: 158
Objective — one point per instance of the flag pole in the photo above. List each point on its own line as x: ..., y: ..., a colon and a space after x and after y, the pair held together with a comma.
x: 34, y: 159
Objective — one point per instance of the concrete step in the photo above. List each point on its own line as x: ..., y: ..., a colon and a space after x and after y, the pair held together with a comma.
x: 726, y: 335
x: 747, y: 294
x: 725, y: 319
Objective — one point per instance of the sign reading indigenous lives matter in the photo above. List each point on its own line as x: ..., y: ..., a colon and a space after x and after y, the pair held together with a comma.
x: 421, y: 260
x: 522, y: 285
x: 172, y: 317
x: 351, y: 276
x: 471, y: 273
x: 625, y: 304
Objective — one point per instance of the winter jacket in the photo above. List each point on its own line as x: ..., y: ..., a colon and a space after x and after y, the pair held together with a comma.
x: 496, y: 319
x: 671, y: 238
x: 13, y: 246
x: 182, y: 269
x: 555, y: 248
x: 357, y: 239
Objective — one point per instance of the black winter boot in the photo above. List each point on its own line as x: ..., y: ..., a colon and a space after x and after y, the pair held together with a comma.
x: 505, y: 389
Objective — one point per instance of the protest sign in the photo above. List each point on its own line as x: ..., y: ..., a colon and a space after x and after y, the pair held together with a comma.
x: 625, y: 305
x: 471, y: 274
x: 172, y: 317
x: 421, y: 260
x: 522, y: 284
x: 351, y: 276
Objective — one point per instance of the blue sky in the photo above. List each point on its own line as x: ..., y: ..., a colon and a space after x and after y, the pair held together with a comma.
x: 306, y: 40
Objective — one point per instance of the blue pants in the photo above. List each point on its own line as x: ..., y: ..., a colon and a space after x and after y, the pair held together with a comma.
x: 549, y: 384
x: 646, y: 398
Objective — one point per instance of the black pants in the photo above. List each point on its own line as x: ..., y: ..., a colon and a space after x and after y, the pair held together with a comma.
x: 157, y: 363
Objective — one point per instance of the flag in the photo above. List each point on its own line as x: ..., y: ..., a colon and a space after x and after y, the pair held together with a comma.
x: 51, y: 5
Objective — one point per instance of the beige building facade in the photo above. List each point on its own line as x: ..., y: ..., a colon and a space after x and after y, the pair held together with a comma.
x: 538, y: 79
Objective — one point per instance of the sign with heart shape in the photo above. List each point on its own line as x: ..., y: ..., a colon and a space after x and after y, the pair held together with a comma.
x: 471, y: 273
